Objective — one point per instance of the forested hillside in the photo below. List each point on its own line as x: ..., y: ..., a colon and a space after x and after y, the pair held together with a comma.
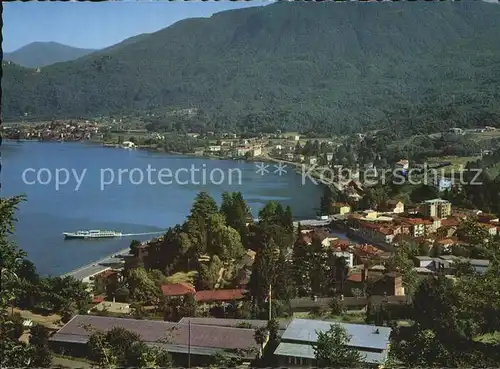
x: 325, y: 67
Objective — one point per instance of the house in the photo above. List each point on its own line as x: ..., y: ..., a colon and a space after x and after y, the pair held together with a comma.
x: 437, y: 208
x: 490, y: 228
x: 288, y: 156
x: 296, y: 345
x: 177, y: 289
x: 242, y: 150
x: 370, y: 214
x: 210, y: 298
x: 376, y: 233
x: 487, y: 218
x: 215, y: 148
x: 299, y: 158
x: 390, y: 284
x: 348, y: 257
x: 312, y: 160
x: 199, y: 342
x: 443, y: 184
x: 128, y: 144
x: 329, y: 156
x: 296, y: 138
x: 395, y: 206
x: 340, y: 208
x: 403, y: 164
x: 457, y: 131
x: 256, y: 151
x: 445, y: 243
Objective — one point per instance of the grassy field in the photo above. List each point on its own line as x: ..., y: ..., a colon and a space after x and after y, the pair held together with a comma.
x: 182, y: 277
x: 50, y: 321
x: 481, y: 136
x: 457, y: 163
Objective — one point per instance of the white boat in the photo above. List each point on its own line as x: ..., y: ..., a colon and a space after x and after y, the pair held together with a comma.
x: 93, y: 233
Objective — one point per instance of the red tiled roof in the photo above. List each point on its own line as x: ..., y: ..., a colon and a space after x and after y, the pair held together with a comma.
x: 366, y: 249
x: 339, y: 244
x: 108, y: 273
x: 449, y: 222
x: 220, y: 295
x: 177, y: 289
x: 97, y: 299
x: 355, y: 277
x: 446, y: 241
x: 486, y: 225
x: 339, y: 204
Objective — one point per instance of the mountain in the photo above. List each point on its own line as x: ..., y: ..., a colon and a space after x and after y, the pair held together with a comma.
x: 41, y: 54
x: 320, y: 66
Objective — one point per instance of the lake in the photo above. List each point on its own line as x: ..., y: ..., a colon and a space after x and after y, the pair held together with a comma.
x: 94, y: 194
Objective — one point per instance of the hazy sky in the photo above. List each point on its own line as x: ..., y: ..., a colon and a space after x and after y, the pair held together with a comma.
x: 97, y: 25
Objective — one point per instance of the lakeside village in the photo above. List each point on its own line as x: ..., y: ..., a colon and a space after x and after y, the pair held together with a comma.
x: 225, y: 290
x: 382, y: 278
x: 449, y: 152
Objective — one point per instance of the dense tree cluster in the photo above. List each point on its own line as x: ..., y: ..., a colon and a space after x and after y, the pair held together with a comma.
x: 450, y: 319
x: 119, y: 348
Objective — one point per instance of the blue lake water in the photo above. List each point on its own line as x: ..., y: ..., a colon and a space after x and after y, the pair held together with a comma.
x: 130, y: 206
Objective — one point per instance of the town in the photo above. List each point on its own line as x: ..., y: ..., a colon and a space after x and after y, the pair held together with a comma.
x: 237, y: 301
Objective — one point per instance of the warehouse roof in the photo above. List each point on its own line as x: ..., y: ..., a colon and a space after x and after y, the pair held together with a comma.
x: 173, y: 336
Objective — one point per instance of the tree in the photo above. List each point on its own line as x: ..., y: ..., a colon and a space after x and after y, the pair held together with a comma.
x: 236, y: 212
x: 332, y: 351
x: 142, y: 288
x: 317, y: 272
x: 209, y: 274
x: 336, y: 306
x: 39, y: 339
x: 260, y: 336
x: 134, y: 245
x: 14, y: 353
x: 223, y: 240
x: 401, y: 262
x: 273, y: 327
x: 263, y: 272
x: 301, y: 258
x: 121, y: 348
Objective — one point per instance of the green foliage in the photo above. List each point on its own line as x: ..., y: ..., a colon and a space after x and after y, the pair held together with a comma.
x: 260, y: 336
x: 448, y: 316
x: 209, y: 274
x: 273, y: 327
x: 142, y: 288
x: 39, y: 339
x: 121, y: 348
x: 331, y: 350
x: 401, y: 262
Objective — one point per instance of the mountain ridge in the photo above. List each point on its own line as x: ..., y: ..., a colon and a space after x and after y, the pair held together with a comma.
x: 342, y: 66
x: 42, y: 54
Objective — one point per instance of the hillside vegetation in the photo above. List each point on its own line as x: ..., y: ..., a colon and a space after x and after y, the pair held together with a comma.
x: 323, y: 67
x: 41, y: 54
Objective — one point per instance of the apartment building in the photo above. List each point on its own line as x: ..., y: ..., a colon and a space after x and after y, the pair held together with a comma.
x: 437, y: 208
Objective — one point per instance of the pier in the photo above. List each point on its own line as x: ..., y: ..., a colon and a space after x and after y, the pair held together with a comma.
x: 96, y: 267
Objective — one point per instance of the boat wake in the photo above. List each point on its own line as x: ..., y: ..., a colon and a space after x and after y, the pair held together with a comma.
x: 140, y: 234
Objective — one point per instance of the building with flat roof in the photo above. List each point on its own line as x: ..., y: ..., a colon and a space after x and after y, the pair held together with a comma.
x: 296, y: 346
x: 201, y: 342
x: 437, y: 208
